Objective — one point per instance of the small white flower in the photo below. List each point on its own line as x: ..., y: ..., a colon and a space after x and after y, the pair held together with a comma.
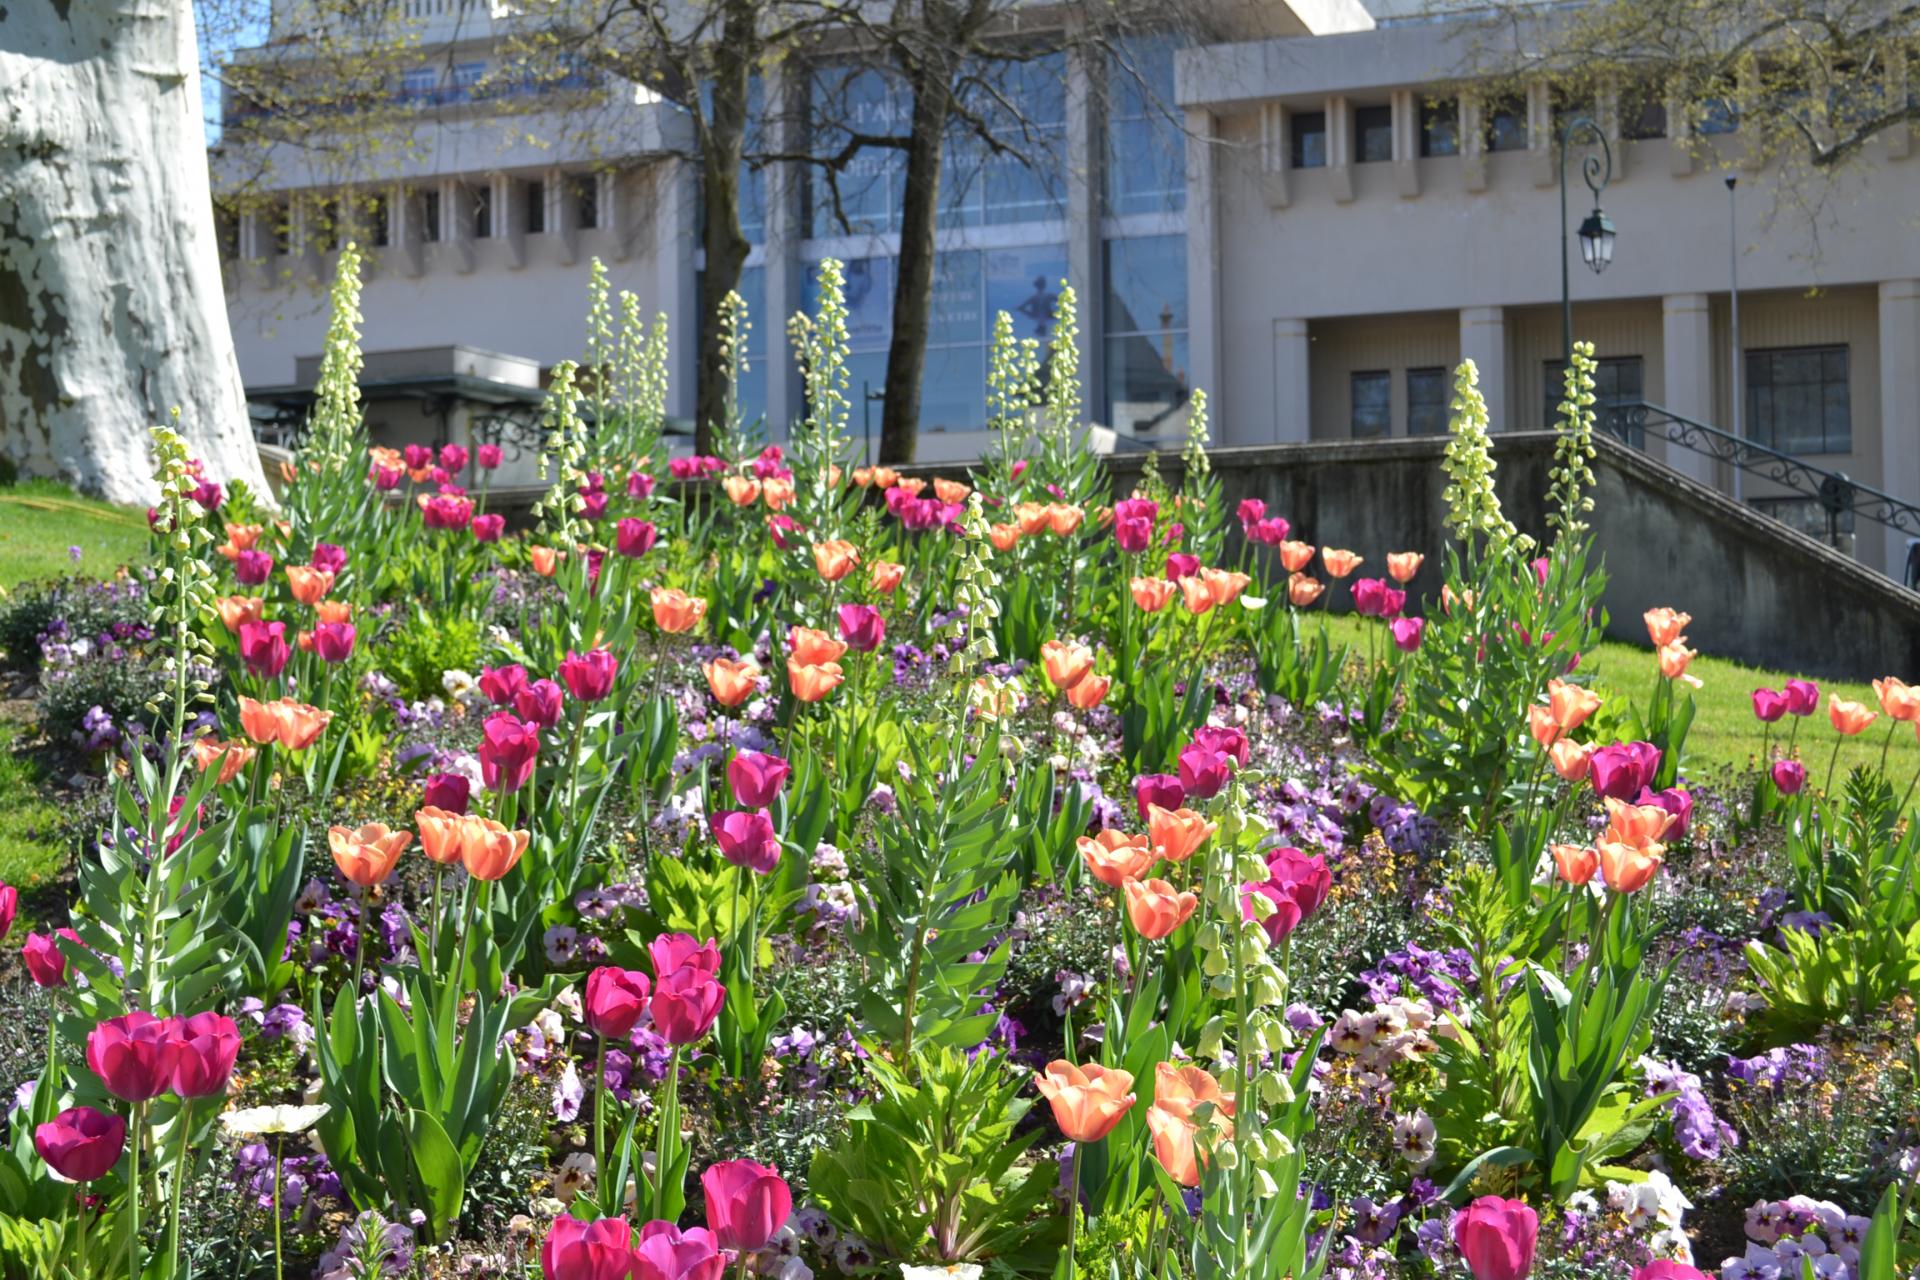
x: 256, y: 1122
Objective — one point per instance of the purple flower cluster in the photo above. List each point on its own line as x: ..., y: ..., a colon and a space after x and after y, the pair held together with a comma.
x: 305, y: 1181
x: 283, y: 1021
x: 1791, y: 1066
x: 1406, y: 830
x: 96, y: 731
x: 1701, y: 1135
x: 1439, y: 976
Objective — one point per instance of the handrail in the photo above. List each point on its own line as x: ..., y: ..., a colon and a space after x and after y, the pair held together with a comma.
x: 1835, y: 491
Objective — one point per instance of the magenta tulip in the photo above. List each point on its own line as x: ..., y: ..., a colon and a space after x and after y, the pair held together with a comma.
x: 1204, y: 771
x: 614, y: 1000
x: 263, y: 648
x: 1227, y: 741
x: 1768, y: 705
x: 589, y: 676
x: 333, y: 641
x: 418, y: 457
x: 1803, y: 697
x: 668, y: 1253
x: 81, y: 1143
x: 671, y: 951
x: 862, y: 627
x: 1162, y: 789
x: 328, y: 558
x: 453, y: 457
x: 1496, y: 1237
x: 685, y: 1004
x: 448, y: 791
x: 756, y: 777
x: 1182, y: 565
x: 1407, y: 633
x: 488, y: 456
x: 747, y: 1204
x: 576, y: 1250
x: 9, y: 908
x: 640, y: 485
x: 489, y: 528
x: 634, y: 538
x: 500, y: 684
x: 746, y: 839
x: 1621, y: 770
x: 134, y: 1055
x: 1789, y: 776
x: 46, y: 963
x: 251, y: 567
x: 509, y: 749
x: 1667, y: 1269
x: 1251, y: 511
x: 208, y: 1045
x: 541, y: 703
x: 1677, y: 801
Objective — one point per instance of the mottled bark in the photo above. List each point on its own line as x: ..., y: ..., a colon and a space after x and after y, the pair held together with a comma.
x: 112, y: 312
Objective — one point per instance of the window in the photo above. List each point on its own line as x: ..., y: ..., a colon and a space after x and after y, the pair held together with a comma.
x: 533, y: 205
x: 1427, y: 402
x: 584, y: 190
x: 418, y: 84
x: 1025, y: 102
x: 379, y: 228
x: 1146, y: 168
x: 323, y: 226
x: 1440, y: 128
x: 482, y: 198
x: 1617, y: 381
x: 1798, y: 400
x: 1145, y: 321
x: 429, y: 216
x: 1718, y: 110
x: 1372, y: 404
x: 1372, y: 134
x: 1308, y: 130
x: 466, y: 76
x: 857, y: 99
x: 1507, y: 124
x: 279, y: 227
x: 226, y: 226
x: 1643, y: 112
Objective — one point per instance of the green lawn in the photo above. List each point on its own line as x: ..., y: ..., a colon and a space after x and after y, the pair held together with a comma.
x: 30, y: 847
x: 40, y: 523
x: 1725, y: 733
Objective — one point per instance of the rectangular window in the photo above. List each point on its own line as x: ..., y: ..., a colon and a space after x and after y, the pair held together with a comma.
x: 1308, y: 130
x: 1372, y: 134
x: 279, y: 226
x: 1619, y: 380
x: 1799, y: 399
x: 379, y: 228
x: 1440, y: 127
x: 482, y: 197
x: 533, y: 204
x: 1372, y: 404
x: 1507, y: 124
x: 418, y: 83
x: 1145, y: 321
x: 429, y: 216
x: 1643, y: 112
x: 1146, y: 144
x: 1427, y: 402
x: 323, y: 225
x: 1718, y: 110
x: 585, y: 193
x: 226, y: 225
x: 465, y: 80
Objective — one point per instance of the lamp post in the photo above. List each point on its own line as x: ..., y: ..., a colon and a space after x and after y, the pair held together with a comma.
x: 1596, y: 233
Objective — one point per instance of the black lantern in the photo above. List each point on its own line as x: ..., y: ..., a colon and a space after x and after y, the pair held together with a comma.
x: 1596, y: 241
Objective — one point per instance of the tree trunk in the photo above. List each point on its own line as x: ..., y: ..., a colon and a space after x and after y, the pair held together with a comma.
x: 913, y: 288
x: 112, y: 311
x: 721, y: 150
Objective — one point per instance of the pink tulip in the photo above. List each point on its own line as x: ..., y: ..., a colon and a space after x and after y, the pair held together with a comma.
x: 9, y: 907
x: 756, y: 777
x: 263, y: 648
x: 1802, y: 696
x: 1768, y: 705
x: 489, y: 528
x: 1227, y: 741
x: 135, y: 1055
x: 1182, y: 565
x: 1496, y: 1237
x: 747, y: 1204
x: 540, y: 703
x: 671, y: 951
x: 418, y: 457
x: 640, y: 486
x: 209, y: 1043
x: 328, y: 558
x: 1162, y: 789
x: 1407, y: 633
x: 333, y: 641
x: 488, y: 456
x: 1250, y: 511
x: 453, y: 457
x: 251, y: 567
x: 1204, y: 771
x: 46, y: 962
x: 634, y: 538
x: 500, y: 684
x: 862, y: 627
x: 685, y: 1004
x: 1789, y: 776
x: 668, y: 1253
x: 746, y: 839
x: 614, y: 1001
x: 509, y: 749
x: 448, y: 791
x: 589, y: 676
x: 576, y: 1250
x: 81, y: 1143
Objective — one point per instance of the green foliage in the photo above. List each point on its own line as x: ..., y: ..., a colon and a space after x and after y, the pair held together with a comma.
x: 416, y: 654
x: 1304, y: 672
x: 934, y: 1170
x: 1850, y: 858
x: 1161, y: 716
x: 1838, y: 975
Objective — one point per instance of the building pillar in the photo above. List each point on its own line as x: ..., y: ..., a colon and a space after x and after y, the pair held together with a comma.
x: 1203, y: 275
x: 1687, y: 352
x: 785, y: 277
x: 1086, y: 264
x: 1899, y: 407
x: 1483, y: 340
x: 1292, y: 382
x: 674, y: 238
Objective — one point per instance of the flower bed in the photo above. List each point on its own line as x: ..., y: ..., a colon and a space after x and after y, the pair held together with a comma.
x: 768, y: 866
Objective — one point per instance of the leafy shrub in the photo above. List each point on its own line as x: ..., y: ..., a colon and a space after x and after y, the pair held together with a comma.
x: 418, y: 652
x: 67, y: 610
x: 120, y: 688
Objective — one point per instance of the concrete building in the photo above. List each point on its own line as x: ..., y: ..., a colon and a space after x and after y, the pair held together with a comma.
x: 1335, y: 226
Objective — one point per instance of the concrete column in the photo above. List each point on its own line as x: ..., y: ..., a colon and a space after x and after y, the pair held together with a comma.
x: 1085, y: 262
x: 1406, y: 142
x: 1292, y: 383
x: 674, y: 291
x: 1483, y: 340
x: 1203, y: 275
x: 1340, y: 148
x: 1899, y: 408
x: 785, y: 279
x: 1687, y: 352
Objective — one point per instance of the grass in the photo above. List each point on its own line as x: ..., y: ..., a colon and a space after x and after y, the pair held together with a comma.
x: 1725, y: 733
x: 31, y: 848
x: 42, y: 522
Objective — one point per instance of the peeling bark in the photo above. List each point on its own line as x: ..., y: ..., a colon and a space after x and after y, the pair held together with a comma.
x: 112, y: 311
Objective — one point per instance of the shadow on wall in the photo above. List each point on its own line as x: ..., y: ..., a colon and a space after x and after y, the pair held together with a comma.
x: 1758, y: 591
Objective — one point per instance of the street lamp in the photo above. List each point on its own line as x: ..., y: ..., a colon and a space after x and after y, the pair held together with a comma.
x: 1596, y: 233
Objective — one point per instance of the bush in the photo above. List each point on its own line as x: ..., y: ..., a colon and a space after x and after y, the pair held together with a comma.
x: 69, y: 610
x: 419, y: 651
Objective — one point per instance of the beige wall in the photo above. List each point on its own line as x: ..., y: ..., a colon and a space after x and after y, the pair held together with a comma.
x: 1341, y: 348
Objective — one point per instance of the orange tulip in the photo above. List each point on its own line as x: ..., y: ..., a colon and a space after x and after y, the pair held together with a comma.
x: 885, y: 576
x: 1156, y: 907
x: 913, y: 485
x: 1296, y: 555
x: 742, y: 491
x: 834, y: 475
x: 1640, y: 824
x: 1303, y: 591
x: 1575, y: 862
x: 1571, y: 760
x: 1151, y: 594
x: 812, y: 682
x: 1087, y: 1101
x: 299, y: 724
x: 303, y: 641
x: 545, y: 560
x: 1674, y: 658
x: 1005, y: 537
x: 488, y: 850
x: 1090, y: 691
x: 367, y: 855
x: 732, y: 680
x: 1402, y: 565
x: 259, y: 721
x: 1067, y: 662
x: 309, y: 585
x: 1628, y: 867
x: 1571, y: 704
x: 810, y: 647
x: 1848, y: 717
x: 1063, y: 519
x: 950, y: 490
x: 231, y: 756
x: 836, y: 559
x: 863, y: 476
x: 674, y: 611
x: 1224, y: 585
x: 1448, y: 599
x: 1114, y: 857
x: 235, y: 610
x: 1032, y: 517
x: 1195, y: 595
x: 1900, y: 700
x: 1664, y: 625
x: 1340, y: 563
x: 1181, y: 1091
x: 333, y: 611
x: 1541, y: 724
x: 1173, y: 1146
x: 778, y: 494
x: 441, y: 834
x: 1176, y: 834
x: 240, y: 537
x: 885, y: 477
